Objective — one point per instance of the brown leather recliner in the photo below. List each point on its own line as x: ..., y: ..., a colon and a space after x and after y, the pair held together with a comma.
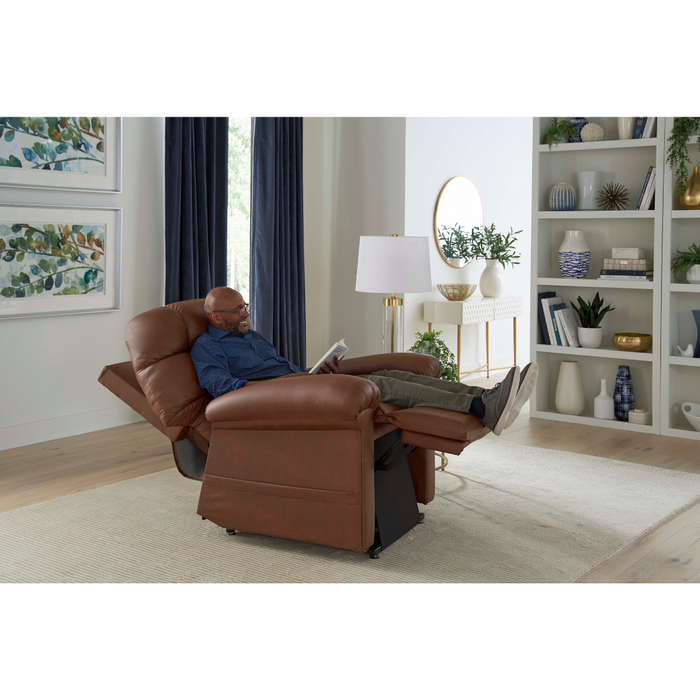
x: 311, y: 458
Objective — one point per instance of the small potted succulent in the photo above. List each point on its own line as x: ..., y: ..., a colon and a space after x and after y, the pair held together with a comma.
x: 591, y: 315
x: 430, y: 344
x: 687, y: 261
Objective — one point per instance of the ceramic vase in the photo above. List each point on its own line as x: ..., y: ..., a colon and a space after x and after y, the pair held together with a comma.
x: 693, y: 275
x: 574, y: 255
x: 690, y: 199
x: 589, y: 184
x: 562, y: 197
x: 491, y: 280
x: 625, y: 127
x: 455, y: 262
x: 623, y: 395
x: 579, y: 123
x: 569, y: 398
x: 590, y: 337
x: 603, y: 405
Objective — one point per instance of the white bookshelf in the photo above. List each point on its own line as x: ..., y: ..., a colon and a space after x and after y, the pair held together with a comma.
x: 680, y: 376
x: 637, y: 304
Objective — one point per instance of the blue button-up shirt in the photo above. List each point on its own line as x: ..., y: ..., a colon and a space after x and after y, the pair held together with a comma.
x: 226, y: 361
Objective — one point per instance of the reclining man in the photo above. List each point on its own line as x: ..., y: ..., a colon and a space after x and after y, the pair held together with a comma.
x: 230, y: 354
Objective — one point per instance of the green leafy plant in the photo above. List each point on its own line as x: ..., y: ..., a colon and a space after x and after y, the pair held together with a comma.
x: 591, y: 314
x: 430, y: 344
x: 683, y: 261
x: 485, y: 243
x: 454, y: 241
x: 678, y: 159
x: 559, y: 132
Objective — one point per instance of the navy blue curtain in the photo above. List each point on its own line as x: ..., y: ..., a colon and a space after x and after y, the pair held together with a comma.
x: 196, y: 204
x: 278, y: 299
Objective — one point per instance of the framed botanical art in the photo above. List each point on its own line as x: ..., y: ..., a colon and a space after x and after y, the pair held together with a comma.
x: 81, y: 154
x: 59, y: 260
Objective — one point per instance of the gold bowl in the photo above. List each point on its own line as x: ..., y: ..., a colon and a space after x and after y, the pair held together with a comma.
x: 632, y: 342
x: 456, y: 292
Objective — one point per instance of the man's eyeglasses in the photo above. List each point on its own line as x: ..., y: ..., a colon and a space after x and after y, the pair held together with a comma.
x: 240, y: 310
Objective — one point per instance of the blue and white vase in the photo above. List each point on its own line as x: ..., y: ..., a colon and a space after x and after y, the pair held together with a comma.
x: 562, y: 198
x: 579, y: 123
x: 624, y: 393
x: 574, y: 255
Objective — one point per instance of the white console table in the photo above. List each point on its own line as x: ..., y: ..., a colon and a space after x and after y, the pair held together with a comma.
x: 472, y: 311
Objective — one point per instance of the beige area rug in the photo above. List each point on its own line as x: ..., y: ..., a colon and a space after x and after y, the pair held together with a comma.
x: 503, y: 513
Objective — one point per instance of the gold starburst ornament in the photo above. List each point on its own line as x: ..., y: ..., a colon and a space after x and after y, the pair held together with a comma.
x: 613, y: 197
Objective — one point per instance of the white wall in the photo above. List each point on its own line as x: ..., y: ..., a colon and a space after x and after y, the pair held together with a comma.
x: 496, y: 155
x: 49, y: 385
x: 354, y: 185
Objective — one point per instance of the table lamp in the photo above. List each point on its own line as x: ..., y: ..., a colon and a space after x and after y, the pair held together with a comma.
x: 390, y: 265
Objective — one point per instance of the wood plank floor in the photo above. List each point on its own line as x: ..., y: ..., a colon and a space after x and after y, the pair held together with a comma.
x: 670, y: 553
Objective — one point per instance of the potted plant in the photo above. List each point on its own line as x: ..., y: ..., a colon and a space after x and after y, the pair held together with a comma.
x: 559, y: 132
x: 487, y: 244
x: 678, y: 159
x: 454, y: 244
x: 430, y: 344
x: 590, y: 334
x: 687, y: 261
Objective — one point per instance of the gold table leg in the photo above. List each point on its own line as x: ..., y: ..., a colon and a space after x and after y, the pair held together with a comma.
x: 487, y: 350
x: 443, y: 462
x: 459, y: 348
x: 430, y: 328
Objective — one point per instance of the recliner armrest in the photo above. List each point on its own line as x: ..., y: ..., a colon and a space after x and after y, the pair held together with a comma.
x: 407, y: 361
x: 323, y: 398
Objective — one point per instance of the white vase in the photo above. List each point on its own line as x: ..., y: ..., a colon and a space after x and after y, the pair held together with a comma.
x: 603, y: 405
x: 693, y: 275
x: 589, y: 184
x: 574, y: 255
x: 491, y: 280
x: 569, y: 398
x: 590, y: 337
x: 456, y: 262
x: 625, y: 127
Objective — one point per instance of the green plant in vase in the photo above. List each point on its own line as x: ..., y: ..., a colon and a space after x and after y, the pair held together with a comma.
x: 688, y: 262
x: 591, y: 315
x: 678, y: 158
x: 559, y: 132
x: 454, y: 242
x: 429, y: 343
x: 487, y: 244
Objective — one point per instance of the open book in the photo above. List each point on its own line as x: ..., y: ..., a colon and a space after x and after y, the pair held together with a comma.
x: 337, y: 350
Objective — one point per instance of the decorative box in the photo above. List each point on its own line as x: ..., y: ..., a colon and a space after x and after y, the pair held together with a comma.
x: 630, y: 253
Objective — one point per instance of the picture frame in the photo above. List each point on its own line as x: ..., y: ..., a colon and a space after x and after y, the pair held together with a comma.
x: 76, y: 154
x: 58, y: 260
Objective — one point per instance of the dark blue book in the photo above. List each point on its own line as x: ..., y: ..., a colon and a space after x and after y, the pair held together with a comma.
x: 639, y: 127
x: 555, y: 325
x: 540, y: 315
x: 628, y: 273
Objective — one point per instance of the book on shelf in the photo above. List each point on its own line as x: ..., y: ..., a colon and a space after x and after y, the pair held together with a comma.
x: 566, y: 321
x: 554, y: 336
x: 546, y: 303
x: 651, y: 174
x: 648, y: 127
x: 639, y: 127
x: 540, y: 315
x: 627, y: 264
x: 628, y: 253
x: 624, y: 278
x: 627, y: 273
x: 649, y: 193
x: 555, y: 310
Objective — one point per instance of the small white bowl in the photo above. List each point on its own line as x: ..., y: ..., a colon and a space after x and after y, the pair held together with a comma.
x: 692, y: 412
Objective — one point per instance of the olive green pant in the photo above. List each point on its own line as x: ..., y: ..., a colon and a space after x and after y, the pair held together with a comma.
x: 408, y: 390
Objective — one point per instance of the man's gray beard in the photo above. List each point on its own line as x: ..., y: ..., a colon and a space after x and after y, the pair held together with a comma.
x: 236, y: 329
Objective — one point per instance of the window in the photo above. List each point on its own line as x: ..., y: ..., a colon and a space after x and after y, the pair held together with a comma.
x: 239, y: 177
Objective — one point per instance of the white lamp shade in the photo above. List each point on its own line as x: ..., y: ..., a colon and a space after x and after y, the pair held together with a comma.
x: 393, y: 264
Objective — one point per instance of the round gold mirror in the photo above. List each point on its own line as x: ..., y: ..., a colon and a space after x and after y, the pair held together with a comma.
x: 458, y: 206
